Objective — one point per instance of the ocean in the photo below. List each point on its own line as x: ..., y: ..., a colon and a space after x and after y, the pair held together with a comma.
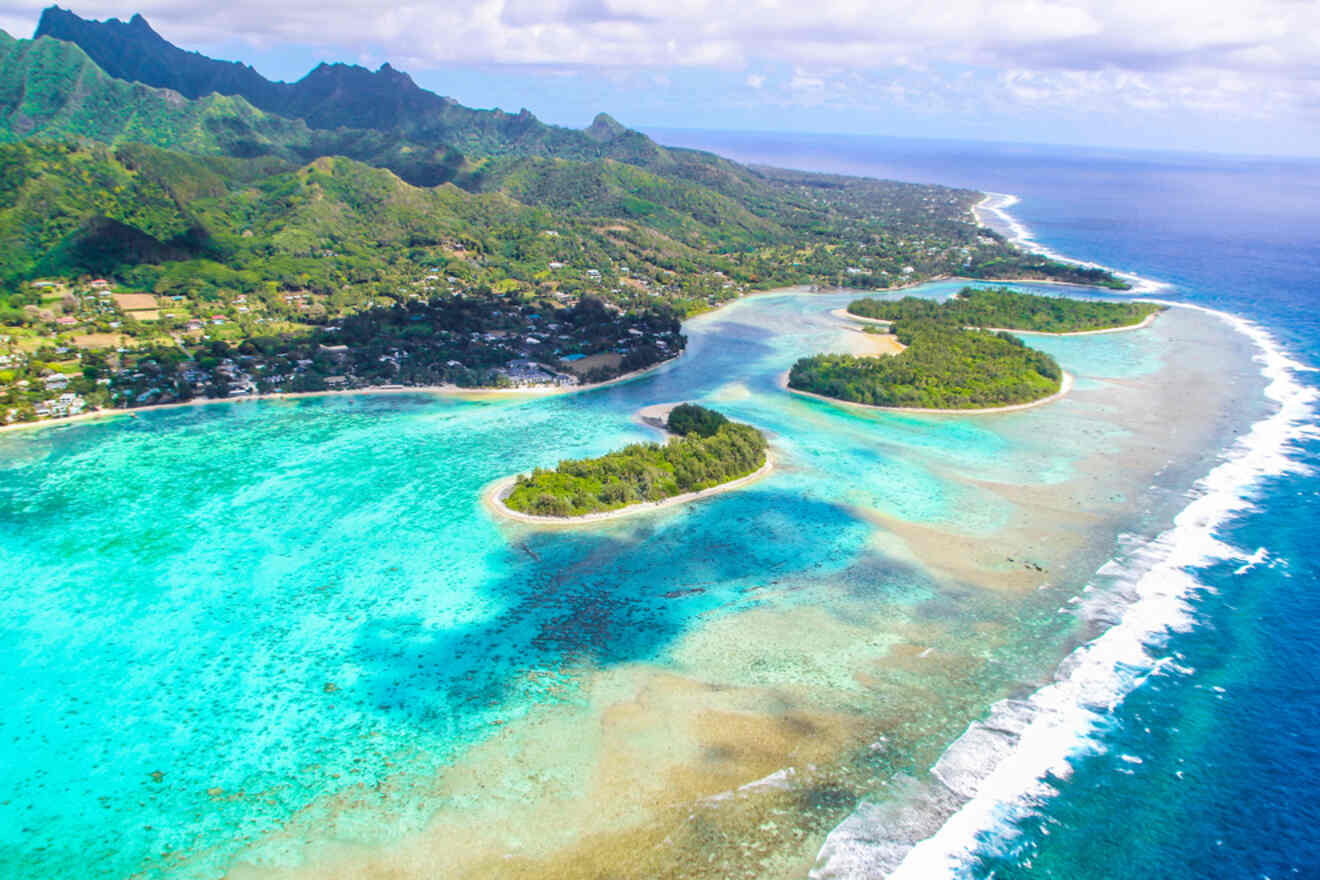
x: 1210, y: 765
x: 286, y: 639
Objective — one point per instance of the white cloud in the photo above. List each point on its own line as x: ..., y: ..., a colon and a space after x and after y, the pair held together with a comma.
x: 1246, y: 57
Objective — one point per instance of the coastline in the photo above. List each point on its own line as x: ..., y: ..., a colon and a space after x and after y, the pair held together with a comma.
x: 494, y: 494
x: 656, y: 417
x: 479, y: 393
x: 1065, y: 386
x: 1047, y: 728
x: 977, y: 785
x: 1015, y: 231
x: 438, y: 390
x: 1140, y: 325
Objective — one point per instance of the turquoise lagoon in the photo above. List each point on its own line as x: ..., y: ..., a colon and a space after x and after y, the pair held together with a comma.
x: 286, y: 637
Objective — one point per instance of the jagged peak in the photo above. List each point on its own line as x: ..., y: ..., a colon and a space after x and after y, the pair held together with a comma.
x: 605, y: 128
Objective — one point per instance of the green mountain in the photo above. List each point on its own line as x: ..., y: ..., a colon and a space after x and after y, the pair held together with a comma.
x: 51, y: 89
x: 340, y: 96
x: 223, y: 233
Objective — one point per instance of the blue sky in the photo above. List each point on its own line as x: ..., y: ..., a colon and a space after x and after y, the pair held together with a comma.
x: 1162, y: 74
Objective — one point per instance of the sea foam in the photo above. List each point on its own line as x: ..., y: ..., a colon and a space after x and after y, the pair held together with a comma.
x: 1020, y: 234
x: 1000, y: 770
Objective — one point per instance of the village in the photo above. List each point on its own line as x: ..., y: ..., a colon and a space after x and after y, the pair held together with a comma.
x: 92, y: 344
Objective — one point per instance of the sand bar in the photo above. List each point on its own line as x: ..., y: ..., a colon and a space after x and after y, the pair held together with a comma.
x: 656, y: 416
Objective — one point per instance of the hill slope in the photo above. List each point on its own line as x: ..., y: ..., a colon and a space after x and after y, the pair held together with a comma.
x: 51, y: 89
x: 340, y: 95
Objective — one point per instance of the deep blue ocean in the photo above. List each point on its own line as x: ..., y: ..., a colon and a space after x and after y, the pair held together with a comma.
x: 1211, y: 767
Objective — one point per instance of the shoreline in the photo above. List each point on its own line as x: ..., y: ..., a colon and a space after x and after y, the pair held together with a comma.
x: 1065, y: 386
x: 477, y: 393
x: 1021, y: 236
x: 437, y: 390
x: 456, y: 391
x: 493, y: 496
x: 656, y: 417
x: 1140, y: 325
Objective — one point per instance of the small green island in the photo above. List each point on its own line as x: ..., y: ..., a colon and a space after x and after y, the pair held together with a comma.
x: 949, y: 362
x: 707, y: 450
x: 994, y: 308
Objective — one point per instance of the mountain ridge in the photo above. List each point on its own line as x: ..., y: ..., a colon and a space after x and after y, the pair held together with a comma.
x: 334, y: 95
x: 52, y: 89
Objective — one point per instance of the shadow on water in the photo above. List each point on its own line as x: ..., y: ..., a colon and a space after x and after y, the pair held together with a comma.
x: 618, y: 596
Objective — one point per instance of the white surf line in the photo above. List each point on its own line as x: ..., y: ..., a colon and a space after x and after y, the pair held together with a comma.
x: 999, y: 203
x: 998, y: 768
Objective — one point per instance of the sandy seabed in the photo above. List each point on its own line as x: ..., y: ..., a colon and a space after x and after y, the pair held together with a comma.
x: 766, y: 726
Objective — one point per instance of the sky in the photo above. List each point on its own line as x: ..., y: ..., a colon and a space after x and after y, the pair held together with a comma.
x: 1226, y: 77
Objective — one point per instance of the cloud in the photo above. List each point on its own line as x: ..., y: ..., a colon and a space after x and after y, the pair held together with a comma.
x: 1243, y: 57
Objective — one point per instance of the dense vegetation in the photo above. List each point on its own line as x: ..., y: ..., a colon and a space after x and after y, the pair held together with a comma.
x: 689, y: 418
x: 1008, y: 309
x: 176, y: 235
x: 51, y: 90
x: 641, y: 472
x: 943, y: 367
x: 336, y: 96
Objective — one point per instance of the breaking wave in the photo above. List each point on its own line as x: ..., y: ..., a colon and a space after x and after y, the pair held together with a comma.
x: 998, y: 771
x: 996, y: 205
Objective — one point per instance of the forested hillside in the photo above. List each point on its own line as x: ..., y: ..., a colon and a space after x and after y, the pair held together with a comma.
x: 339, y: 95
x: 51, y: 90
x: 175, y: 235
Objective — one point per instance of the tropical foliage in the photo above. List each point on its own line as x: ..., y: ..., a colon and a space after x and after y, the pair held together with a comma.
x: 689, y: 418
x: 943, y: 367
x: 173, y: 226
x: 641, y: 472
x: 1008, y: 309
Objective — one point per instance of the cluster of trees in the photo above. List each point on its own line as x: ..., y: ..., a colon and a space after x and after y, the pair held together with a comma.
x: 995, y: 307
x: 641, y: 472
x: 943, y: 367
x: 691, y: 418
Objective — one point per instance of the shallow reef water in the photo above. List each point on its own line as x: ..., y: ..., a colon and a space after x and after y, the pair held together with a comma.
x: 286, y: 636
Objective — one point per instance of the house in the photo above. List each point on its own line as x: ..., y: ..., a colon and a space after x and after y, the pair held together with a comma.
x: 336, y: 381
x: 101, y: 284
x: 66, y: 320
